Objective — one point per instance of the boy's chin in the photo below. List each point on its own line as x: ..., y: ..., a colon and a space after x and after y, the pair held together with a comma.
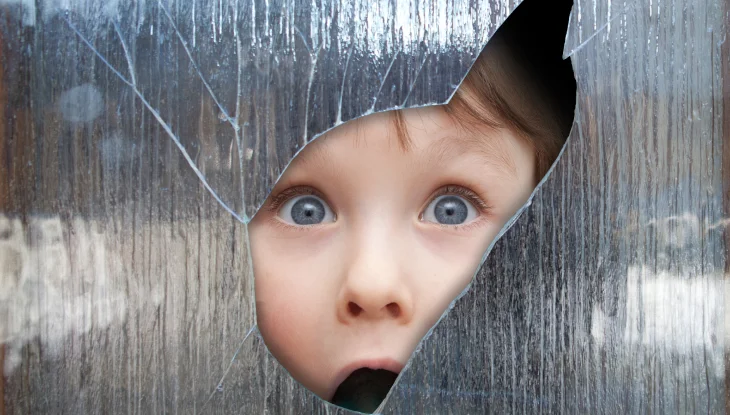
x: 364, y: 389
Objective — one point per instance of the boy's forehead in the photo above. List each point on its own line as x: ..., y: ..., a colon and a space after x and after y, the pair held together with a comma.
x: 434, y: 139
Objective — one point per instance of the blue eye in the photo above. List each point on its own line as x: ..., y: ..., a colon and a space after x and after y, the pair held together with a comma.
x: 306, y: 210
x: 450, y: 210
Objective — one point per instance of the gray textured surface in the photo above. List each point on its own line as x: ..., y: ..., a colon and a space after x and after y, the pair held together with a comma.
x: 239, y: 87
x: 125, y: 286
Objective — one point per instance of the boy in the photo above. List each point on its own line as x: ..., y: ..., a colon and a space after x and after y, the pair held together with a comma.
x: 379, y: 224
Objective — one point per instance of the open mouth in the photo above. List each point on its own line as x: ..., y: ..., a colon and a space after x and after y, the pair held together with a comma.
x: 364, y: 389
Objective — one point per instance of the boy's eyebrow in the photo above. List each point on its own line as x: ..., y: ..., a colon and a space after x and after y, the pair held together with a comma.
x: 490, y: 149
x: 318, y: 156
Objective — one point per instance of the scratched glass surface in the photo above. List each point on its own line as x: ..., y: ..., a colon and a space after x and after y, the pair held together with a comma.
x: 139, y: 136
x: 238, y: 87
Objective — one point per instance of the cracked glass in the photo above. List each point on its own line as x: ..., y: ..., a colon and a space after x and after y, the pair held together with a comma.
x: 140, y: 137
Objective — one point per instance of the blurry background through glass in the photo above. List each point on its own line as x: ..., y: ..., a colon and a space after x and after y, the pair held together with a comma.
x: 139, y: 136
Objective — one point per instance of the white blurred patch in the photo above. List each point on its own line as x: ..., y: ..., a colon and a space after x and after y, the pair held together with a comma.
x: 28, y: 10
x: 674, y: 314
x: 42, y: 294
x: 83, y: 103
x: 13, y: 257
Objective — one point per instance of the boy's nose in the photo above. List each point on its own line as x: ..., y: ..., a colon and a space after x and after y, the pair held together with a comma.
x: 375, y: 289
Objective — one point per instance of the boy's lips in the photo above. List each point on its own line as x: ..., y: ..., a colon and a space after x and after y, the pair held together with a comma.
x: 388, y: 364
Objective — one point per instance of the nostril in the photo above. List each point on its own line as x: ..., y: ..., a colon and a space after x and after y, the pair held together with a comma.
x: 354, y: 309
x: 393, y: 309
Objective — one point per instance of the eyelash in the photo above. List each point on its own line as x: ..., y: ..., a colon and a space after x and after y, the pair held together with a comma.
x: 292, y: 192
x: 279, y: 199
x: 482, y: 207
x: 467, y: 194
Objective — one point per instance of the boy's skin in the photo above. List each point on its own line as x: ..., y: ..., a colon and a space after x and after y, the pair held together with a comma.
x: 359, y: 283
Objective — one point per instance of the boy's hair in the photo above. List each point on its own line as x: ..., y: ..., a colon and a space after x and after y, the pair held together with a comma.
x: 520, y: 82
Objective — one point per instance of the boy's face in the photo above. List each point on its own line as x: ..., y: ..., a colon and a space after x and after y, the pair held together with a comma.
x: 362, y: 245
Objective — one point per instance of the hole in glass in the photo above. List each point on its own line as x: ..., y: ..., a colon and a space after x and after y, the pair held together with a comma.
x: 379, y: 224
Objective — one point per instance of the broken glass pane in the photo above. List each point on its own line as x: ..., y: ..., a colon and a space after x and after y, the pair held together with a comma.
x: 377, y: 226
x: 239, y: 87
x: 139, y: 135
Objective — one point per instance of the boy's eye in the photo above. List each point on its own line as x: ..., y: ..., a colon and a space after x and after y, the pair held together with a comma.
x: 450, y: 210
x: 306, y: 210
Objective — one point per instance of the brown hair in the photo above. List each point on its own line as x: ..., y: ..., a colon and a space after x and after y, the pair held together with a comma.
x: 505, y: 88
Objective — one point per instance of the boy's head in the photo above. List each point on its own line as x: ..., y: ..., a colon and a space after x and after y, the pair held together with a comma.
x: 378, y: 225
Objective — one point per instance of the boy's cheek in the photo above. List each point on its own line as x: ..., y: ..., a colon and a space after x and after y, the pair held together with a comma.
x: 287, y: 311
x: 457, y: 247
x: 272, y: 243
x: 294, y: 277
x: 447, y: 264
x: 289, y: 287
x: 289, y: 335
x: 292, y: 281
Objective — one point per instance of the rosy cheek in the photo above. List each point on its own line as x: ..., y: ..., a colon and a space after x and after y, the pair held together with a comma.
x: 278, y: 319
x: 281, y: 309
x: 292, y: 280
x: 281, y: 289
x: 291, y: 307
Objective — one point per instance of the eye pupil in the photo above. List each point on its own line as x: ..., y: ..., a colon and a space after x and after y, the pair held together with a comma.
x: 308, y: 211
x: 451, y: 210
